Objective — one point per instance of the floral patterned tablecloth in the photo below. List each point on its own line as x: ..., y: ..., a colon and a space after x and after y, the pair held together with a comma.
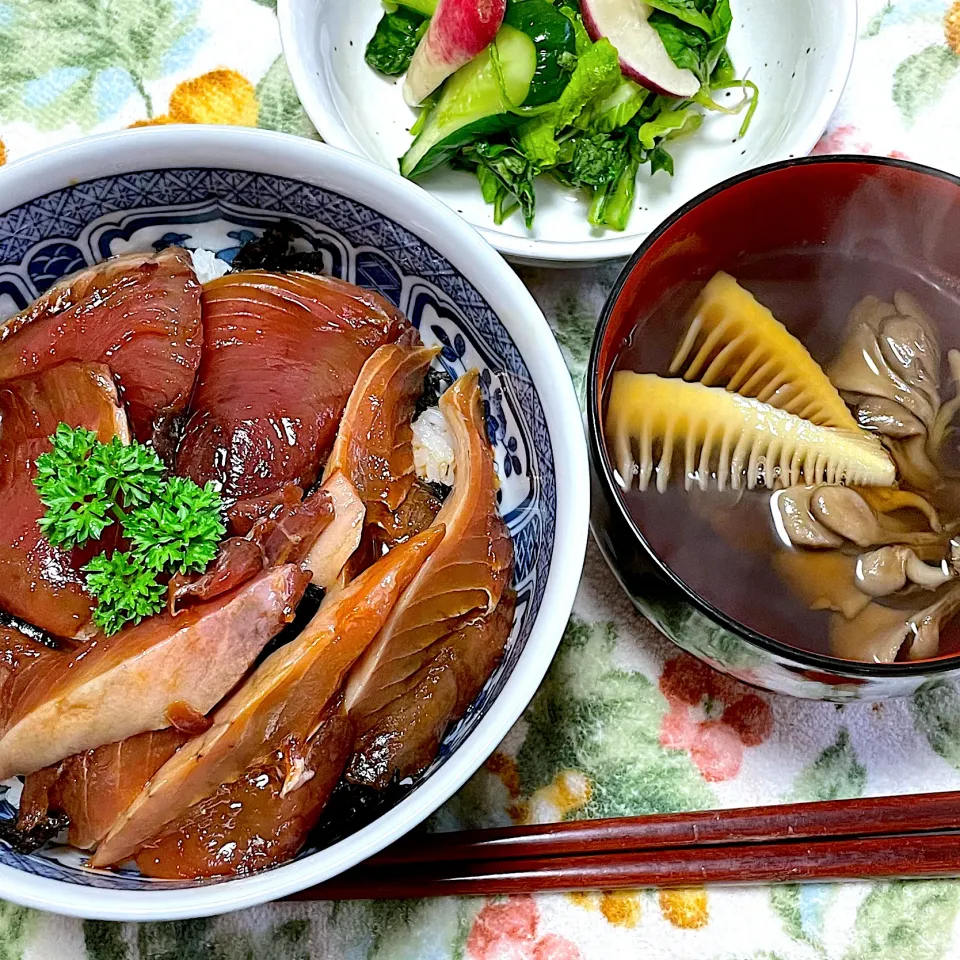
x: 623, y: 724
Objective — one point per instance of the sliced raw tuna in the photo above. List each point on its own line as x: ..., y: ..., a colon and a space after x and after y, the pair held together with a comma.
x: 465, y: 576
x: 42, y: 583
x: 147, y: 677
x: 281, y: 354
x: 139, y: 314
x: 278, y: 707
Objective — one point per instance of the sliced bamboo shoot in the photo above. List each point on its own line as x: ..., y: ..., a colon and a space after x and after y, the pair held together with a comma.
x: 738, y: 441
x: 735, y: 342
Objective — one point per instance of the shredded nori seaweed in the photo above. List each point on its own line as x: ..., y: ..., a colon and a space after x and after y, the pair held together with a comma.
x: 353, y: 806
x: 307, y: 607
x: 435, y: 384
x: 440, y: 490
x: 276, y: 250
x: 28, y: 630
x: 27, y: 841
x: 272, y: 250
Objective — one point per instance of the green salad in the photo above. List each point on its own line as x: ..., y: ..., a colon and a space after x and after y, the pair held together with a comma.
x: 544, y: 100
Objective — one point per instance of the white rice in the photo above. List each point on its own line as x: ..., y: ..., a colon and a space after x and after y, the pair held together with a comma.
x: 207, y: 265
x: 433, y: 447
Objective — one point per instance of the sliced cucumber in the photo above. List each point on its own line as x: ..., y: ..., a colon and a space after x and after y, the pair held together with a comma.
x: 533, y: 46
x: 425, y: 7
x: 471, y: 104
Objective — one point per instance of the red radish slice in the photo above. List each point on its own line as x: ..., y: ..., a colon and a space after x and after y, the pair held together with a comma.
x: 643, y: 57
x: 459, y: 31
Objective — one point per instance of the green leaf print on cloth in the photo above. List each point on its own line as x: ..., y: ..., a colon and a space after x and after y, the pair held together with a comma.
x: 104, y: 941
x: 402, y: 929
x: 280, y: 107
x: 936, y: 712
x: 836, y: 774
x: 919, y: 81
x: 602, y: 721
x: 79, y: 61
x: 801, y: 908
x: 206, y: 939
x: 905, y: 920
x: 15, y: 927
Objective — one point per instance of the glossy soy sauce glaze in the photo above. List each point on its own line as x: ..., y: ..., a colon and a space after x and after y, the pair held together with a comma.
x: 723, y: 545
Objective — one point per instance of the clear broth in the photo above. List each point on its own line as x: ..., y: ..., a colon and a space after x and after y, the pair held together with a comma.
x: 722, y: 545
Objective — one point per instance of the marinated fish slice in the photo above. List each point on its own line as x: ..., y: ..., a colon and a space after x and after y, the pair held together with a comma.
x: 255, y: 821
x: 243, y: 514
x: 735, y: 342
x: 338, y: 543
x: 140, y: 315
x: 466, y: 574
x: 95, y: 787
x: 403, y: 738
x: 126, y: 684
x: 17, y: 652
x: 68, y: 291
x: 42, y: 584
x: 740, y: 440
x: 374, y: 445
x: 283, y: 699
x: 286, y: 535
x: 281, y: 354
x: 417, y: 512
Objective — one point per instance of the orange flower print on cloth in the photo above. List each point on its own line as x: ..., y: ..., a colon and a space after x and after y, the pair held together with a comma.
x: 686, y: 909
x: 220, y: 96
x: 711, y: 716
x: 509, y: 930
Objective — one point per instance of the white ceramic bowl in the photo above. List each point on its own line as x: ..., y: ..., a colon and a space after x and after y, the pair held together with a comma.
x: 798, y: 52
x: 206, y: 186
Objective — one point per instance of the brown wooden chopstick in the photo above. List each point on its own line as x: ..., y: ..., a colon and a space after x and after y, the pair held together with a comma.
x: 911, y: 857
x: 868, y: 816
x: 881, y: 837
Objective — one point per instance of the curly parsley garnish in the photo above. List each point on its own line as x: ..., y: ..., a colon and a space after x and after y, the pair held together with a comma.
x: 172, y: 524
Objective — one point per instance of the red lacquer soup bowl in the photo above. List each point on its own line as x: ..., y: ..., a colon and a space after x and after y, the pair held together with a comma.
x: 810, y: 238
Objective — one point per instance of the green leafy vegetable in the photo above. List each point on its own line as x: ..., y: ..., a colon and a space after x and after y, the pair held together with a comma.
x: 596, y: 161
x: 125, y: 590
x: 601, y: 127
x: 724, y: 71
x: 392, y: 46
x: 597, y: 76
x: 172, y: 525
x: 613, y: 203
x: 580, y: 31
x: 506, y: 178
x: 688, y: 46
x: 687, y: 11
x: 668, y: 126
x: 615, y: 110
x: 660, y: 159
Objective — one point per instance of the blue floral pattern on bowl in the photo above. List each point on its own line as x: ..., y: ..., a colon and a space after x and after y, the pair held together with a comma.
x: 219, y: 210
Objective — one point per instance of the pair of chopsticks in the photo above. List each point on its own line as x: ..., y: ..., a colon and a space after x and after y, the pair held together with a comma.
x: 875, y: 838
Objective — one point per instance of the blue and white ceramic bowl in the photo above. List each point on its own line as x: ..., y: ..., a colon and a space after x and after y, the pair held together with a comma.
x: 214, y: 187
